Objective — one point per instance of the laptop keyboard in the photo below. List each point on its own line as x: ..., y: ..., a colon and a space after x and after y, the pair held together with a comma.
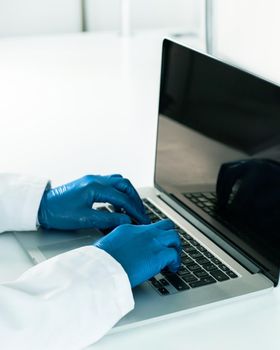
x: 198, y: 267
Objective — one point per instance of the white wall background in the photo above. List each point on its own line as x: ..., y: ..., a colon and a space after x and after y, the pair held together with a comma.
x: 145, y: 14
x: 33, y: 17
x: 247, y: 33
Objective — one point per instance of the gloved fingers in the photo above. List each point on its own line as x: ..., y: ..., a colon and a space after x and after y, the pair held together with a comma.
x: 229, y: 174
x: 170, y: 258
x: 116, y: 175
x: 125, y: 186
x: 118, y: 199
x: 91, y: 218
x: 103, y: 180
x: 170, y: 239
x: 108, y: 179
x: 165, y: 224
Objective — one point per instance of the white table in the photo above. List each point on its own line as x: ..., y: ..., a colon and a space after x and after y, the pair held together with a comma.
x: 86, y: 103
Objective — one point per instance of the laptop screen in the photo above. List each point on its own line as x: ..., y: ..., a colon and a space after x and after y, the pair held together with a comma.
x: 213, y: 115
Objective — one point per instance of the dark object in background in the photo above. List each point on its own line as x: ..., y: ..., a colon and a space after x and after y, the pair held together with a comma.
x: 248, y: 193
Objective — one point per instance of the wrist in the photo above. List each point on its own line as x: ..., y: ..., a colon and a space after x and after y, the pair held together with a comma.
x: 42, y: 212
x: 116, y: 259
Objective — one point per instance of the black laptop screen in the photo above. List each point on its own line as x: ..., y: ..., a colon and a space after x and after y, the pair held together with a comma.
x: 213, y: 115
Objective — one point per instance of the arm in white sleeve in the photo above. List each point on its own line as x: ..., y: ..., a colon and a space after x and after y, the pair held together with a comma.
x: 66, y: 302
x: 20, y: 197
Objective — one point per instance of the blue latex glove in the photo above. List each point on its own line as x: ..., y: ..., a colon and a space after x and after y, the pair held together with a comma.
x: 69, y: 206
x: 143, y: 251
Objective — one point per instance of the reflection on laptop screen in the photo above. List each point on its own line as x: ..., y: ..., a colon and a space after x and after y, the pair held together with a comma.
x: 211, y: 113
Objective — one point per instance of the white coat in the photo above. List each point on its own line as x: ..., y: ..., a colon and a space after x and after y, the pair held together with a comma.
x: 67, y: 302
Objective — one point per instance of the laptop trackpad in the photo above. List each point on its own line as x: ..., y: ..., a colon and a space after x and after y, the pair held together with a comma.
x: 50, y: 250
x: 44, y: 244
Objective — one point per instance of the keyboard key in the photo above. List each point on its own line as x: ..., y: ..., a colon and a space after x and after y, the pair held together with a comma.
x: 163, y: 291
x: 203, y: 282
x: 195, y: 254
x: 231, y: 274
x: 215, y: 261
x: 193, y: 242
x: 190, y: 249
x: 187, y: 250
x: 209, y: 255
x: 184, y: 234
x: 189, y: 278
x: 153, y: 216
x: 187, y: 260
x: 186, y: 245
x: 157, y: 211
x: 183, y: 271
x: 193, y: 267
x: 201, y: 249
x: 203, y: 261
x: 176, y: 281
x: 223, y: 267
x: 164, y: 282
x: 219, y: 275
x: 155, y: 283
x: 201, y: 273
x: 151, y: 206
x: 210, y: 267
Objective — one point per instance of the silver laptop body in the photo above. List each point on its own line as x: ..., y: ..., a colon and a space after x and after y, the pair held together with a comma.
x: 188, y: 158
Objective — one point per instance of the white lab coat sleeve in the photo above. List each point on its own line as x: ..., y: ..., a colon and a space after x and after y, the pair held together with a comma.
x: 20, y: 197
x: 67, y: 302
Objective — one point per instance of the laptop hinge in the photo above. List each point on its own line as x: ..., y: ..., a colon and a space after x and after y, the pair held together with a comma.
x: 209, y: 232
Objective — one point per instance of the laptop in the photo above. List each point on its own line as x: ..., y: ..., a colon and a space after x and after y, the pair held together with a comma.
x: 210, y: 113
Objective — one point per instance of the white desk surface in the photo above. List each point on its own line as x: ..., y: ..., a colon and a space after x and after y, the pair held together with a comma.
x: 87, y: 103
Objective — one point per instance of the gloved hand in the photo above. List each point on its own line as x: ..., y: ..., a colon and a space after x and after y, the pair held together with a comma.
x: 69, y: 206
x: 248, y: 192
x: 143, y: 251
